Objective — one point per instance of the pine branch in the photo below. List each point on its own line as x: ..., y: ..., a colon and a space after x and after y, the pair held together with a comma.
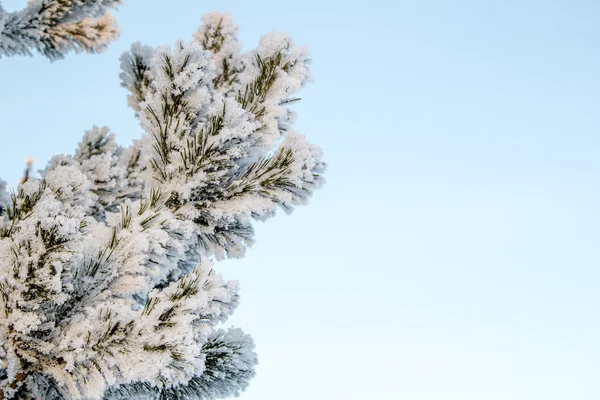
x: 106, y: 287
x: 4, y: 199
x: 272, y: 74
x: 98, y: 156
x: 136, y: 74
x: 253, y: 96
x: 218, y: 35
x: 229, y: 366
x: 54, y: 27
x: 20, y: 206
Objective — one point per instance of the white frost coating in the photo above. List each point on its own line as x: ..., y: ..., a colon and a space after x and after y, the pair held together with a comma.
x: 135, y: 72
x: 4, y: 197
x: 184, y: 72
x: 161, y: 336
x: 3, y: 16
x: 291, y: 74
x: 55, y: 27
x: 25, y: 322
x: 308, y: 159
x: 106, y: 285
x: 91, y: 36
x: 191, y: 66
x: 218, y: 34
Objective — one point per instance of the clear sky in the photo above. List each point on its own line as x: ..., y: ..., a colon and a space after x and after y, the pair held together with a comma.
x: 454, y: 253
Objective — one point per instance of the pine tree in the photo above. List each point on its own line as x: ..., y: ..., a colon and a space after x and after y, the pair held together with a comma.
x: 54, y: 27
x: 107, y: 285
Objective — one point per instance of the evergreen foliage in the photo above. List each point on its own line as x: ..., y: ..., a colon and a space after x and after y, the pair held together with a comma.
x: 54, y: 27
x: 107, y: 286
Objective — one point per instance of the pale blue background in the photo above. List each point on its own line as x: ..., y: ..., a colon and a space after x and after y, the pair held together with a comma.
x: 454, y: 252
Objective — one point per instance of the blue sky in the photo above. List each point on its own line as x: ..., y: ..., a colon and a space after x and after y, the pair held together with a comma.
x: 453, y: 253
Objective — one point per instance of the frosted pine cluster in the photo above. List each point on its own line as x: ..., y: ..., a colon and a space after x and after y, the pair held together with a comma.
x: 107, y: 286
x: 54, y: 27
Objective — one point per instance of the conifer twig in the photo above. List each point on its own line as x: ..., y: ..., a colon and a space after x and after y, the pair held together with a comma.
x: 28, y: 163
